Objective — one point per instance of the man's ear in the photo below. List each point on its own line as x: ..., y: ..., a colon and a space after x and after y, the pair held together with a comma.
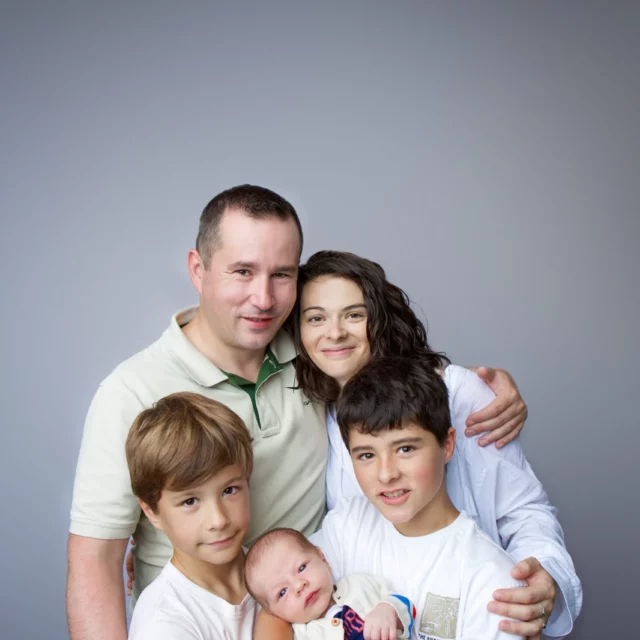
x: 195, y: 266
x: 154, y: 518
x: 449, y: 445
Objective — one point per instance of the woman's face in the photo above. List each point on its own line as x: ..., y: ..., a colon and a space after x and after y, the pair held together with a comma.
x: 333, y: 326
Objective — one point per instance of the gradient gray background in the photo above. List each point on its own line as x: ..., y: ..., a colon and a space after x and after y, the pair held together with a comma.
x: 487, y: 154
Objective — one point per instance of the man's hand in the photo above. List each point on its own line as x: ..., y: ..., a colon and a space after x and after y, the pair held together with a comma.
x: 531, y: 606
x: 382, y: 623
x: 505, y: 416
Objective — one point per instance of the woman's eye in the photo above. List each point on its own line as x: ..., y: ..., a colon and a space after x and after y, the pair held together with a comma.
x: 355, y: 315
x: 314, y: 319
x: 302, y: 568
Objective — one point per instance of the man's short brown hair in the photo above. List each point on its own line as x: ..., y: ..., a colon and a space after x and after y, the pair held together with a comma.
x: 256, y: 202
x: 181, y: 441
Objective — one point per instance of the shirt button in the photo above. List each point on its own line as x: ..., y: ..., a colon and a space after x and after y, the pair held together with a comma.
x: 335, y: 621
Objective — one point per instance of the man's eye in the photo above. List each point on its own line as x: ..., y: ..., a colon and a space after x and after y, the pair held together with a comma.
x: 302, y: 568
x: 282, y: 593
x: 242, y: 272
x: 281, y: 275
x: 190, y: 502
x: 229, y: 491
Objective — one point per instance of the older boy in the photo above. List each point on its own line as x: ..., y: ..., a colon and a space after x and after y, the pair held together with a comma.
x: 190, y: 459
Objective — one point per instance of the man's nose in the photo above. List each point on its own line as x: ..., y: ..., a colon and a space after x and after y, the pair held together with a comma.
x: 262, y: 293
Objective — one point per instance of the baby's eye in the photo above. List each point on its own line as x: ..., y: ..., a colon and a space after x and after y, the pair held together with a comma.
x: 282, y: 593
x: 302, y: 568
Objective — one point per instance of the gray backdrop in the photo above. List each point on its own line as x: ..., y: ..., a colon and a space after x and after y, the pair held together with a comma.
x: 487, y: 154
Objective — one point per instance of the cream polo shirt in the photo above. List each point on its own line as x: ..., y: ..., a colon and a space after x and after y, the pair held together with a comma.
x: 290, y: 446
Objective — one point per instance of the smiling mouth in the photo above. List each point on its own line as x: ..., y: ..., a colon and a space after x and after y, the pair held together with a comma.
x: 337, y: 351
x: 398, y: 496
x: 311, y: 598
x: 220, y: 543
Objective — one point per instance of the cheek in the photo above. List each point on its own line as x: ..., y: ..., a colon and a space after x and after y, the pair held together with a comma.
x: 430, y: 472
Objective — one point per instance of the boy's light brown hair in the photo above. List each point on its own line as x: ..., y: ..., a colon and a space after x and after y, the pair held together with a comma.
x: 181, y: 441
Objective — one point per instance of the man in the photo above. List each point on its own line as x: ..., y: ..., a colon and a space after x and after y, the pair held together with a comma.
x: 244, y: 268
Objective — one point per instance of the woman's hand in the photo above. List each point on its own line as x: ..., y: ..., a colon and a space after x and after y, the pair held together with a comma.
x: 530, y: 606
x: 505, y: 416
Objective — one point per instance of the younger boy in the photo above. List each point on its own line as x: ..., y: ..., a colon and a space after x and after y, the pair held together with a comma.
x: 290, y: 578
x: 394, y: 419
x: 190, y: 459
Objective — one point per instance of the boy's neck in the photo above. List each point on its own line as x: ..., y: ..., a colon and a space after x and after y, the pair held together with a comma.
x: 225, y: 581
x: 438, y: 514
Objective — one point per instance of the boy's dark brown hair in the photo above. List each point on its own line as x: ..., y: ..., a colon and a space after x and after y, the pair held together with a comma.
x: 182, y: 441
x: 261, y: 546
x: 257, y: 202
x: 391, y: 393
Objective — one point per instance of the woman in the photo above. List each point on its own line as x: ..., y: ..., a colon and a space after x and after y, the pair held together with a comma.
x: 348, y: 312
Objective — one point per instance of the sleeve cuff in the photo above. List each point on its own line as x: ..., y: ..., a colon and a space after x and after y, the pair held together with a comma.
x: 101, y: 531
x: 568, y: 602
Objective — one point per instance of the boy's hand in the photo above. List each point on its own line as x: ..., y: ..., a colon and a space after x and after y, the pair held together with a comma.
x: 505, y: 416
x: 382, y: 623
x: 530, y: 606
x: 128, y: 563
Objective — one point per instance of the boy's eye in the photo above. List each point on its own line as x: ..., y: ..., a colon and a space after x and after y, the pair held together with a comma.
x: 282, y: 593
x: 229, y: 491
x: 302, y: 568
x: 365, y: 456
x: 406, y: 449
x: 190, y: 502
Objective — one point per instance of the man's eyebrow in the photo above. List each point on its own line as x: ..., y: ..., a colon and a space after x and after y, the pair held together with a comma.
x: 288, y: 268
x: 350, y: 307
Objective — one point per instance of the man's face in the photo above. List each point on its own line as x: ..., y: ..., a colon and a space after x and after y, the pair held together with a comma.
x: 401, y: 471
x: 295, y: 582
x: 250, y: 286
x: 206, y: 523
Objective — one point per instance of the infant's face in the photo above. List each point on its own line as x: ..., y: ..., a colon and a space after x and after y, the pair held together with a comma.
x: 295, y: 583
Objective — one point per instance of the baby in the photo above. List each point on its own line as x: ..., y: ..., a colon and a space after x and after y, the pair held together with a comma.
x: 290, y: 578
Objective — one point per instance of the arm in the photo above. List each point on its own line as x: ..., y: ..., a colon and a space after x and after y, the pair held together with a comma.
x: 504, y: 416
x: 514, y: 510
x: 95, y: 594
x: 104, y: 514
x: 268, y: 627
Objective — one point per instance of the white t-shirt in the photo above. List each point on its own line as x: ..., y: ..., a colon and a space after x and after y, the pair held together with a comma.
x: 173, y: 607
x: 495, y: 487
x: 361, y: 592
x: 449, y: 575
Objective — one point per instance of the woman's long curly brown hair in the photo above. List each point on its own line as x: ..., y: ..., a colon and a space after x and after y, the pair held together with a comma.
x: 392, y: 327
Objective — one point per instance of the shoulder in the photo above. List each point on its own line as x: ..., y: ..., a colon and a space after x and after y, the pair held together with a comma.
x: 483, y: 555
x: 355, y: 511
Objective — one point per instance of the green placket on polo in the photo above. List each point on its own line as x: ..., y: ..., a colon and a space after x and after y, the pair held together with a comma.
x: 269, y: 367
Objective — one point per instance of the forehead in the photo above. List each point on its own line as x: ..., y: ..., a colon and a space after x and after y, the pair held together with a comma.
x: 243, y: 237
x: 328, y: 291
